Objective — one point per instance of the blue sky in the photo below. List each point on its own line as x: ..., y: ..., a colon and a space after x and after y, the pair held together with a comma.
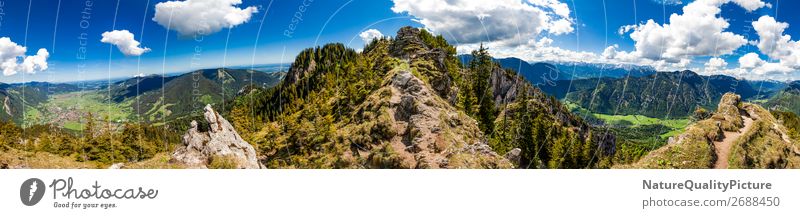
x: 591, y: 28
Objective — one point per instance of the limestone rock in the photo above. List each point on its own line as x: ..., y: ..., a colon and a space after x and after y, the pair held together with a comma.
x: 514, y: 156
x: 407, y: 44
x: 425, y: 124
x: 221, y: 140
x: 116, y: 166
x: 729, y: 113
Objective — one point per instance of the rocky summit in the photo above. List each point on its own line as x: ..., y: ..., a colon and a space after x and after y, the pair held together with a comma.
x: 221, y: 142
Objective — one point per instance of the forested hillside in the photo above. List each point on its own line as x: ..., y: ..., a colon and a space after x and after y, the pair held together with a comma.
x: 160, y: 99
x: 661, y: 95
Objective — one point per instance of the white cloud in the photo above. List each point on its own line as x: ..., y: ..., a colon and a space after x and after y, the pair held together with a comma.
x: 668, y: 2
x: 561, y: 26
x: 715, y: 65
x: 773, y: 43
x: 749, y: 5
x: 370, y: 34
x: 699, y: 31
x: 35, y: 63
x: 125, y: 42
x: 511, y: 22
x: 11, y: 54
x: 201, y: 17
x: 625, y: 29
x: 751, y: 62
x: 610, y: 52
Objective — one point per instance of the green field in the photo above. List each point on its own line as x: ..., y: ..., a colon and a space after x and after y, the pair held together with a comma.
x: 676, y: 125
x: 73, y: 125
x: 637, y: 120
x: 32, y: 116
x: 92, y: 102
x: 69, y: 110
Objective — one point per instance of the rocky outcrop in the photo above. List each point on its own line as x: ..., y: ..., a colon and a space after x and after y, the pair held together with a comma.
x: 504, y: 86
x: 429, y: 61
x: 729, y: 112
x: 6, y: 106
x: 433, y: 134
x: 116, y: 166
x: 220, y: 141
x: 514, y: 156
x: 407, y: 45
x: 297, y: 72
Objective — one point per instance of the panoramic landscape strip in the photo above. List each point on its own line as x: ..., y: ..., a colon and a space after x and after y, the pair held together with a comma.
x: 399, y: 84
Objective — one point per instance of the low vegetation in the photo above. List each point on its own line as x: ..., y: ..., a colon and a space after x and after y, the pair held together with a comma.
x: 99, y: 144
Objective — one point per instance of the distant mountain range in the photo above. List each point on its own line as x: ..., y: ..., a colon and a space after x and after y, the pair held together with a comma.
x: 546, y: 74
x: 664, y: 94
x: 595, y: 70
x: 153, y: 98
x: 787, y: 99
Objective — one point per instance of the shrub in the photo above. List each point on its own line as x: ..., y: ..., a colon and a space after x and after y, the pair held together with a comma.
x: 223, y: 162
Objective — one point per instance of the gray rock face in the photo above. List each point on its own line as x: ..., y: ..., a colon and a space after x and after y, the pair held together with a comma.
x: 423, y: 122
x: 514, y: 156
x: 116, y: 166
x: 220, y: 141
x: 407, y: 44
x: 295, y: 73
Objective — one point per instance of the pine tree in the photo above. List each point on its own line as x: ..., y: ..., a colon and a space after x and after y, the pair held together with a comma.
x: 481, y: 67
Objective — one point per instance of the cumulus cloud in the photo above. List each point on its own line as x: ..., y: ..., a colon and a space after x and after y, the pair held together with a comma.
x: 715, y: 65
x: 698, y: 31
x: 625, y: 29
x: 201, y: 17
x: 751, y: 62
x: 610, y: 52
x: 773, y: 43
x: 511, y: 22
x: 11, y: 54
x: 125, y: 42
x: 370, y: 34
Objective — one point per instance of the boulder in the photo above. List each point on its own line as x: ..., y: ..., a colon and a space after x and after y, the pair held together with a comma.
x: 729, y: 112
x: 221, y: 140
x: 116, y: 166
x: 515, y: 155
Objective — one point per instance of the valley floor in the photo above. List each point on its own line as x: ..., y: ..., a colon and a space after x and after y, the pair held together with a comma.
x: 68, y: 110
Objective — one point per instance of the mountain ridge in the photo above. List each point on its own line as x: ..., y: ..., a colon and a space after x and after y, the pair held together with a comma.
x: 762, y: 141
x: 408, y: 102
